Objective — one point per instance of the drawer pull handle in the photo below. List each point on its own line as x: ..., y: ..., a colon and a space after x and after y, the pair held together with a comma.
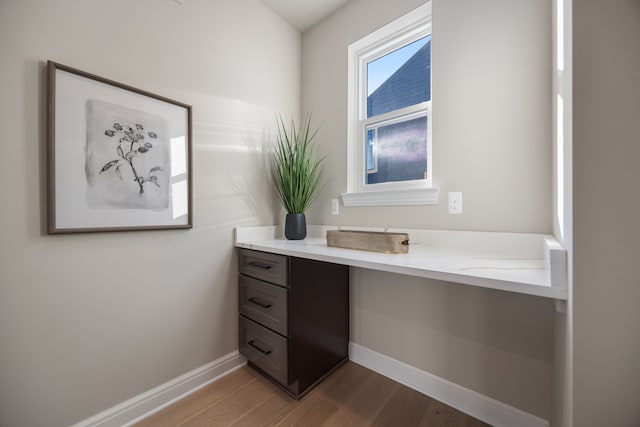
x: 260, y: 349
x: 259, y: 303
x: 260, y: 265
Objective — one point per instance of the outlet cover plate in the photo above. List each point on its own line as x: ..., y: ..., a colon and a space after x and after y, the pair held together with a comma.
x: 455, y: 202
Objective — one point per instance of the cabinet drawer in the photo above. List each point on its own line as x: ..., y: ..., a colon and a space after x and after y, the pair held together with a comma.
x: 264, y: 303
x: 268, y: 267
x: 266, y: 349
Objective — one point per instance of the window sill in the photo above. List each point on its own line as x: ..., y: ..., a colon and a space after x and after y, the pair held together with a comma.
x: 417, y: 196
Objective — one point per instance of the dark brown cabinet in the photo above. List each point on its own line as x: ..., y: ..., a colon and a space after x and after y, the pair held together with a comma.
x: 294, y: 317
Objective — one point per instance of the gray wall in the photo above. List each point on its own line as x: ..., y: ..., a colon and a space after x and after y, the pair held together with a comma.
x: 491, y: 105
x: 606, y: 212
x: 492, y: 141
x: 89, y: 321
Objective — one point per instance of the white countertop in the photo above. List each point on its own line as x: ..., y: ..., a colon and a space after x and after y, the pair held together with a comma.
x: 533, y: 264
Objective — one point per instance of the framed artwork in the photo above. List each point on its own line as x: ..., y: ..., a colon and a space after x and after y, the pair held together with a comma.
x: 118, y: 158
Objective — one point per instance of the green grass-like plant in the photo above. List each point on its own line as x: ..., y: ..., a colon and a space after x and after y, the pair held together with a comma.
x: 296, y: 169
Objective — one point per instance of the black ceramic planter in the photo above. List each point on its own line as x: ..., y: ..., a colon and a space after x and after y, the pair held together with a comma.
x: 295, y: 226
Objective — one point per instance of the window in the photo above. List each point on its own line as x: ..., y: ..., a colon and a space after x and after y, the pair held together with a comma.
x: 389, y: 131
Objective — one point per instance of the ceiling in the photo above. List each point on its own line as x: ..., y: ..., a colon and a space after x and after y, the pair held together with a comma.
x: 304, y: 14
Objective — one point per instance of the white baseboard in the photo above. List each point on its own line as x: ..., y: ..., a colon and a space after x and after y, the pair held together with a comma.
x: 479, y: 406
x: 145, y: 404
x: 484, y: 408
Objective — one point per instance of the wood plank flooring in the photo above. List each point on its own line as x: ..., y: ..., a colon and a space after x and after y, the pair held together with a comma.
x: 351, y: 396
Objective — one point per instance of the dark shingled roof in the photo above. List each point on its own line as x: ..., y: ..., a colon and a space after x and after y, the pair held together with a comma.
x: 409, y: 85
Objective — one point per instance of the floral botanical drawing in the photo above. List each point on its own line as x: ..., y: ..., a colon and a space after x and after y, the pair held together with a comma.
x: 127, y: 159
x: 132, y: 142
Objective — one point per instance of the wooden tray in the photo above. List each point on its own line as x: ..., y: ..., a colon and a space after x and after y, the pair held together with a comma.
x: 372, y: 241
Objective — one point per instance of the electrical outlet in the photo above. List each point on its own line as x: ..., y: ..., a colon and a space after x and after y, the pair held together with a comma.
x: 335, y: 207
x: 455, y: 202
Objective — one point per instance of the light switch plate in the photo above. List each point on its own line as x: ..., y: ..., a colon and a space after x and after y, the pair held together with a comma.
x: 335, y: 207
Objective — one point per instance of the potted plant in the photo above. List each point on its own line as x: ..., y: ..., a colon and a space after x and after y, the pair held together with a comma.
x: 297, y: 173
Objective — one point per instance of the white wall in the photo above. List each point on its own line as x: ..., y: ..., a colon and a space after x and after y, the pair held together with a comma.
x: 606, y: 149
x: 88, y: 321
x: 492, y: 141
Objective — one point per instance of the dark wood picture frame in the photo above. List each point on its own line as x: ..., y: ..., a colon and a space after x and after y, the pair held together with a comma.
x: 118, y: 158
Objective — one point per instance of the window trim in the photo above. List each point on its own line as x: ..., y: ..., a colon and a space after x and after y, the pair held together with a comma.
x: 404, y: 30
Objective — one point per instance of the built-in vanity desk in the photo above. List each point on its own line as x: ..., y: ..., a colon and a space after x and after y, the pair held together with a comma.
x: 294, y: 298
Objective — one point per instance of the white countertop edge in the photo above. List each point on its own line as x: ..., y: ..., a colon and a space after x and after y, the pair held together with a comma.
x: 270, y: 239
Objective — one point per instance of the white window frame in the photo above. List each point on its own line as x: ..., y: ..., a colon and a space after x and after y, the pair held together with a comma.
x: 401, y: 32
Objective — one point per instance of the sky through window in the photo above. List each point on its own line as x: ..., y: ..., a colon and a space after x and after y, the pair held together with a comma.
x: 379, y: 70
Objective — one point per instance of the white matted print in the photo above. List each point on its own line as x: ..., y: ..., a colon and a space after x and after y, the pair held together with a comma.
x: 116, y: 156
x: 127, y: 158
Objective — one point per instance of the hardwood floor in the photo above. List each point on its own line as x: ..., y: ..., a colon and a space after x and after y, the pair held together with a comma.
x: 351, y: 396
